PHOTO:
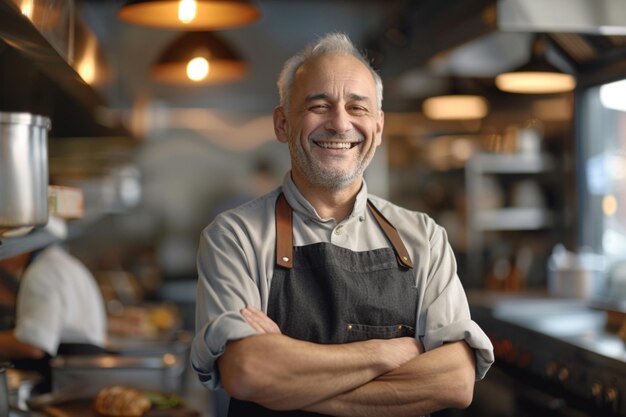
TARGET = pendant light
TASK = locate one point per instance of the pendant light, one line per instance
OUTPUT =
(538, 76)
(456, 106)
(199, 58)
(189, 14)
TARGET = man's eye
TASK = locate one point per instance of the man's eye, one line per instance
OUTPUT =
(358, 109)
(318, 108)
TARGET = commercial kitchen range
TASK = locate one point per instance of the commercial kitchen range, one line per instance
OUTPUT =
(554, 357)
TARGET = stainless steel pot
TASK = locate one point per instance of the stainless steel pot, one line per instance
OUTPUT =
(23, 170)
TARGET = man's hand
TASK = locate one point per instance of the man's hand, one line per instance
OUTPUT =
(259, 321)
(403, 349)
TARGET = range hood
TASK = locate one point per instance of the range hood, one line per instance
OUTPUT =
(587, 36)
(601, 17)
(39, 78)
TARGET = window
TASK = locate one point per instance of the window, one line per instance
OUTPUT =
(602, 179)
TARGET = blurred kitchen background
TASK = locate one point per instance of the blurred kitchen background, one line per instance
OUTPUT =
(528, 184)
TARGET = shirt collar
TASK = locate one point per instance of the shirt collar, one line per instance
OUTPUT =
(300, 204)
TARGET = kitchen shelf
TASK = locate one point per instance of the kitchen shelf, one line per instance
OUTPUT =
(36, 78)
(488, 163)
(54, 231)
(513, 218)
(44, 82)
(498, 216)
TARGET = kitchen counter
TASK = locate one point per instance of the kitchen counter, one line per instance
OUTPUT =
(84, 409)
(559, 343)
(571, 321)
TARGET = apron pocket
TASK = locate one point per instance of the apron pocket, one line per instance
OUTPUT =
(360, 332)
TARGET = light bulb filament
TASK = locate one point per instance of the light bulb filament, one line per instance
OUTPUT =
(187, 10)
(198, 68)
(27, 8)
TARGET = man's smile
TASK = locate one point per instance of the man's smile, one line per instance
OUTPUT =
(336, 145)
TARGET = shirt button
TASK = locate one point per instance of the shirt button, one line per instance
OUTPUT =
(338, 230)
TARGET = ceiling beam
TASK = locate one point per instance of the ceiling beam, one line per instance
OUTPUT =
(427, 28)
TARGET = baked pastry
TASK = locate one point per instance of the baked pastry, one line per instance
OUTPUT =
(117, 401)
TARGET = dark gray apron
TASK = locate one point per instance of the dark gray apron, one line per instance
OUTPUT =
(326, 294)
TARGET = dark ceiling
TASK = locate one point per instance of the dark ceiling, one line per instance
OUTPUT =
(420, 48)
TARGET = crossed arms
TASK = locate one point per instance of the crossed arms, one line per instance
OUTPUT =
(370, 378)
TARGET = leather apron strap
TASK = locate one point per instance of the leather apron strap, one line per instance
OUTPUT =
(393, 236)
(284, 234)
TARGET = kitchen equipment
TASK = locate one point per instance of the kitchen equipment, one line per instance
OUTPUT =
(20, 385)
(23, 171)
(86, 375)
(555, 350)
(4, 391)
(575, 275)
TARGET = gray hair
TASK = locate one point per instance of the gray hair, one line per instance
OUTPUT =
(332, 43)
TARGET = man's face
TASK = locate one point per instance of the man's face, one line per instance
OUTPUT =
(333, 125)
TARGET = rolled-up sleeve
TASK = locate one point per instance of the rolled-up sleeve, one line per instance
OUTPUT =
(447, 317)
(210, 342)
(225, 286)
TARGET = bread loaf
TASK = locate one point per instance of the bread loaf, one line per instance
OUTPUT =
(117, 401)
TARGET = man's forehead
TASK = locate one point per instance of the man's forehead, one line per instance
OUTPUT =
(324, 74)
(335, 63)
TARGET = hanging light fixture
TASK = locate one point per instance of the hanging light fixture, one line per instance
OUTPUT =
(189, 14)
(538, 76)
(198, 58)
(457, 105)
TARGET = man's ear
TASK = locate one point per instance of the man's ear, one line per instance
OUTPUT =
(280, 124)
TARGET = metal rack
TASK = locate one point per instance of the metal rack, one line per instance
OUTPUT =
(54, 231)
(501, 219)
(75, 107)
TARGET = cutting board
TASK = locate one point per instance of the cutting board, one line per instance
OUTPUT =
(82, 408)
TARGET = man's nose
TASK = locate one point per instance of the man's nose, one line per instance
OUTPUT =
(339, 121)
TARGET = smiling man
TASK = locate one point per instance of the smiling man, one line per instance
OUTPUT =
(319, 298)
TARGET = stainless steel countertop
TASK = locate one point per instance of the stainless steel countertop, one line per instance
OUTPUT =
(570, 321)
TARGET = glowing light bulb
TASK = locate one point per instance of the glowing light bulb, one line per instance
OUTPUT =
(197, 68)
(86, 65)
(27, 8)
(187, 10)
(609, 205)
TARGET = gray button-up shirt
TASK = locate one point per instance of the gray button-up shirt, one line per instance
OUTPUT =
(236, 261)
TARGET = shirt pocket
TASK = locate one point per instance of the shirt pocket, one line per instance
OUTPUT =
(359, 332)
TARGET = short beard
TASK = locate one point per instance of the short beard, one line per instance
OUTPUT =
(320, 175)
